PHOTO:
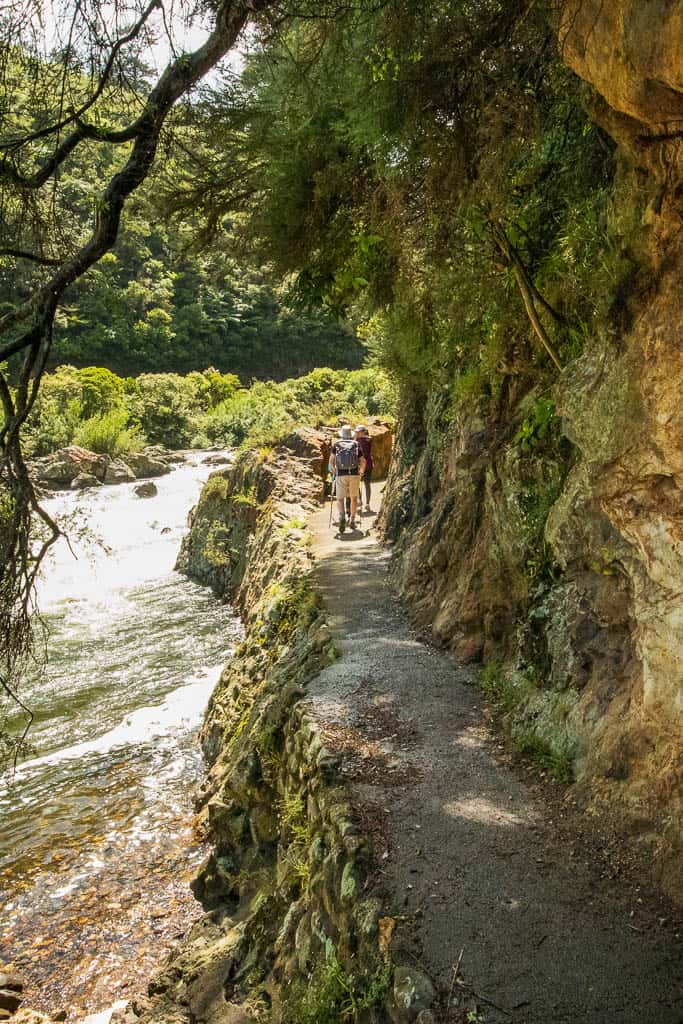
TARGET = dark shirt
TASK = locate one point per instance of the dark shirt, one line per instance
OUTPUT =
(365, 445)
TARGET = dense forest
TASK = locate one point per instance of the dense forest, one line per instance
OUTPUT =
(156, 303)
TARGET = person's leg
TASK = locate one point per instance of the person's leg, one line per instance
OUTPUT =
(341, 500)
(366, 480)
(354, 487)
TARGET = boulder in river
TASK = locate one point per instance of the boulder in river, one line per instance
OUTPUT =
(146, 464)
(157, 451)
(146, 490)
(117, 472)
(218, 460)
(64, 465)
(83, 481)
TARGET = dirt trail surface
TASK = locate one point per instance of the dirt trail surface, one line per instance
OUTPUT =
(471, 866)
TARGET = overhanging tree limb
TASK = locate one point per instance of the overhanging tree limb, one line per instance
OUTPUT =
(179, 76)
(527, 290)
(77, 115)
(27, 329)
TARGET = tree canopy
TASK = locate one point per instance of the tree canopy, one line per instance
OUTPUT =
(427, 171)
(48, 114)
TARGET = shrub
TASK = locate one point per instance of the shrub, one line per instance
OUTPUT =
(111, 414)
(52, 426)
(164, 406)
(109, 434)
(266, 412)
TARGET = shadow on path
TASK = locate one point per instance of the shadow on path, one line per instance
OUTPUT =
(469, 860)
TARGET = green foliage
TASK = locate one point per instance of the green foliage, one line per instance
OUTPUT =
(537, 425)
(330, 996)
(85, 406)
(245, 498)
(164, 404)
(153, 304)
(389, 152)
(52, 425)
(294, 820)
(512, 693)
(109, 433)
(558, 763)
(267, 412)
(95, 408)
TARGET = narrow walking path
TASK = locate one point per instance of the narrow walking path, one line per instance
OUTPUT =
(471, 866)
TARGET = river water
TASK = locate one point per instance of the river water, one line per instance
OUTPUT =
(96, 843)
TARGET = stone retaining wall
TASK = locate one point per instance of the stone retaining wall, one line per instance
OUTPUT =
(292, 932)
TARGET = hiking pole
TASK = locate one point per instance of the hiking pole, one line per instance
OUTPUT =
(332, 495)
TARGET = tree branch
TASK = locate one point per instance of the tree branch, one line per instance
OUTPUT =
(526, 289)
(76, 115)
(179, 76)
(21, 254)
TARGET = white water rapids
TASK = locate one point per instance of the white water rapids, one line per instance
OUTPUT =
(99, 813)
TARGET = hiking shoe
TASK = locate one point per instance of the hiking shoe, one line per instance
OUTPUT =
(352, 524)
(342, 525)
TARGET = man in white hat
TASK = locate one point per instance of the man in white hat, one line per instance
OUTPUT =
(348, 466)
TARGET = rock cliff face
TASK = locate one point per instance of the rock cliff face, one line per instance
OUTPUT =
(552, 548)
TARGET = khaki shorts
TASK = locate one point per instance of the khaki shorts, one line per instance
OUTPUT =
(348, 486)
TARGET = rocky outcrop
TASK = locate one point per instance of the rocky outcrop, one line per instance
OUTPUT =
(149, 463)
(78, 468)
(65, 465)
(117, 472)
(557, 559)
(84, 481)
(632, 53)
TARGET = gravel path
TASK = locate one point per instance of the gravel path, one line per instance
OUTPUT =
(472, 868)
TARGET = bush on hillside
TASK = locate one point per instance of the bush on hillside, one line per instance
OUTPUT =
(98, 410)
(109, 434)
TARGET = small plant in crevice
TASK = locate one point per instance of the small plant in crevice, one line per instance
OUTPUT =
(296, 830)
(558, 763)
(246, 497)
(537, 426)
(331, 996)
(512, 694)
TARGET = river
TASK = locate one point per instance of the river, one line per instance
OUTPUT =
(96, 843)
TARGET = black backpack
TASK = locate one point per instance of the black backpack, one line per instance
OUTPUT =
(346, 455)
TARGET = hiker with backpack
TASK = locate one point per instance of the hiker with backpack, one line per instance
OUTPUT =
(348, 464)
(364, 442)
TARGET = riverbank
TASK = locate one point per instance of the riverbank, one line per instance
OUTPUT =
(97, 845)
(375, 858)
(289, 930)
